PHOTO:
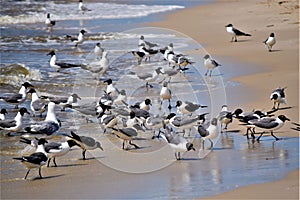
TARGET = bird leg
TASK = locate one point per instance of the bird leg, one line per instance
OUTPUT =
(40, 173)
(170, 107)
(260, 136)
(135, 146)
(27, 174)
(123, 144)
(274, 136)
(83, 154)
(206, 72)
(247, 133)
(55, 165)
(252, 133)
(211, 144)
(48, 162)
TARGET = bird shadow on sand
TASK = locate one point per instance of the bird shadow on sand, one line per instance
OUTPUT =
(188, 159)
(243, 40)
(68, 165)
(276, 50)
(91, 158)
(47, 177)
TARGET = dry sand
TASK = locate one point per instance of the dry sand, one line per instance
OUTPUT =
(206, 24)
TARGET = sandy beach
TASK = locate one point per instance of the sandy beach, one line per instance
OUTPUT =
(206, 24)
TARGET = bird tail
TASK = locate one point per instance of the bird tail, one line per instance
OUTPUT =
(25, 140)
(246, 34)
(19, 158)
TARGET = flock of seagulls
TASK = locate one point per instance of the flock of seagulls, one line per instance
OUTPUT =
(113, 107)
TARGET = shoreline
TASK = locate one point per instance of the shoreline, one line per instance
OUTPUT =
(261, 18)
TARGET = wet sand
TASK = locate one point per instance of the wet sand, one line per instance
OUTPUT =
(281, 67)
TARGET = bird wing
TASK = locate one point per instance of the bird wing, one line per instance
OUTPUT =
(52, 146)
(7, 123)
(13, 99)
(38, 105)
(238, 32)
(67, 65)
(36, 158)
(266, 123)
(202, 131)
(87, 140)
(47, 128)
(215, 63)
(191, 107)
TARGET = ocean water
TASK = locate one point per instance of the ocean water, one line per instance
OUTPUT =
(25, 41)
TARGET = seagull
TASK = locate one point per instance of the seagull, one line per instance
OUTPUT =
(37, 159)
(49, 126)
(108, 121)
(64, 102)
(139, 56)
(100, 67)
(127, 134)
(60, 65)
(79, 39)
(49, 23)
(110, 89)
(270, 41)
(53, 149)
(181, 122)
(145, 105)
(85, 143)
(225, 117)
(121, 99)
(278, 96)
(148, 52)
(36, 105)
(98, 50)
(82, 8)
(165, 94)
(3, 112)
(235, 32)
(269, 124)
(147, 45)
(14, 125)
(246, 117)
(210, 64)
(187, 107)
(150, 77)
(183, 61)
(176, 142)
(19, 98)
(209, 132)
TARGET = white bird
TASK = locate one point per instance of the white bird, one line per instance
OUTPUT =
(150, 77)
(99, 67)
(270, 41)
(127, 134)
(165, 94)
(98, 50)
(187, 107)
(225, 117)
(82, 8)
(79, 39)
(36, 105)
(19, 98)
(49, 23)
(269, 124)
(278, 96)
(85, 143)
(110, 89)
(210, 64)
(49, 126)
(53, 149)
(121, 99)
(147, 45)
(60, 65)
(3, 112)
(14, 125)
(209, 132)
(177, 142)
(108, 121)
(35, 160)
(235, 32)
(64, 102)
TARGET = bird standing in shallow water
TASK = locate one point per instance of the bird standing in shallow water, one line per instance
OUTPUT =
(210, 64)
